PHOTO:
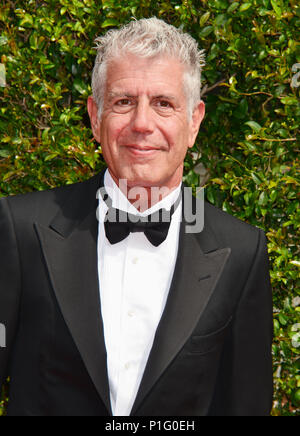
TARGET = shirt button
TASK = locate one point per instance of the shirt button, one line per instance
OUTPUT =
(131, 313)
(127, 365)
(135, 260)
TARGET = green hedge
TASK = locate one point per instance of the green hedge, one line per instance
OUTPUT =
(247, 151)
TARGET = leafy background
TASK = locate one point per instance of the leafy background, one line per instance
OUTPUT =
(246, 153)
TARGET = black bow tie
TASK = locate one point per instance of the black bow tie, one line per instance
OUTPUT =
(119, 224)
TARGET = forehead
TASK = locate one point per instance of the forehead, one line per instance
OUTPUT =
(136, 75)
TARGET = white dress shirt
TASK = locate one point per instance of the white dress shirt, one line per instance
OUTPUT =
(134, 282)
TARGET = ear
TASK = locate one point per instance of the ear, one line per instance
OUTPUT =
(93, 114)
(197, 118)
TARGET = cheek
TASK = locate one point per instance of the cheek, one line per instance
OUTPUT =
(111, 130)
(177, 137)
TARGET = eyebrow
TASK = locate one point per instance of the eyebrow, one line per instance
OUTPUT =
(166, 97)
(112, 95)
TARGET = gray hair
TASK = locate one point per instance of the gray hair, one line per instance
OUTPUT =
(149, 37)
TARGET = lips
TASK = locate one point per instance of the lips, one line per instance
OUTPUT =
(139, 150)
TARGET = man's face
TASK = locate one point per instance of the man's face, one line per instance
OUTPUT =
(144, 130)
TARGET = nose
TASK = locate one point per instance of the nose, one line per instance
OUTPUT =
(142, 118)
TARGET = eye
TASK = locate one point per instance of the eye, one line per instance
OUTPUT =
(164, 104)
(123, 105)
(123, 102)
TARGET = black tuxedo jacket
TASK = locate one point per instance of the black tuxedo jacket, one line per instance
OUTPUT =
(212, 349)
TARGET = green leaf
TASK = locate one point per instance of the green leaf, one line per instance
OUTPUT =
(204, 18)
(26, 21)
(211, 196)
(256, 178)
(254, 126)
(283, 319)
(220, 4)
(4, 153)
(273, 196)
(249, 145)
(51, 157)
(8, 175)
(263, 199)
(80, 86)
(206, 31)
(233, 7)
(110, 22)
(289, 101)
(245, 6)
(276, 8)
(221, 20)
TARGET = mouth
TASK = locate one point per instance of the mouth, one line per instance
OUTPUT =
(138, 150)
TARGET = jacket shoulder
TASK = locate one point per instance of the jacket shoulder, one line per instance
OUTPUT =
(43, 204)
(230, 230)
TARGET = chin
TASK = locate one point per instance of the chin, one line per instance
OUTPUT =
(142, 181)
(142, 178)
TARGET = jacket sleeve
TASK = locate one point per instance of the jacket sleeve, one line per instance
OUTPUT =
(245, 384)
(10, 285)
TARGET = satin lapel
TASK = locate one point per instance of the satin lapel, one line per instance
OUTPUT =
(195, 278)
(71, 257)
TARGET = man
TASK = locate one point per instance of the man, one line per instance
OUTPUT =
(105, 317)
